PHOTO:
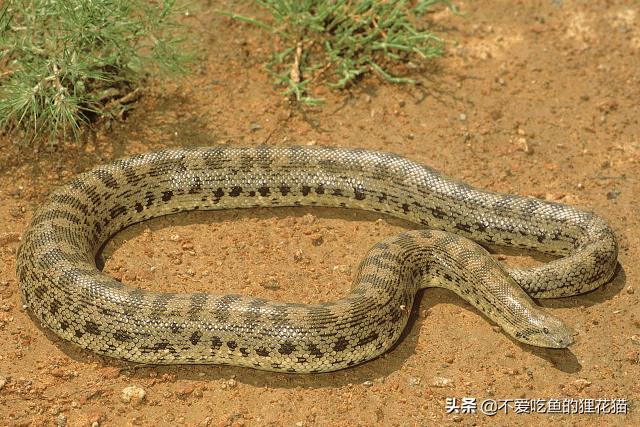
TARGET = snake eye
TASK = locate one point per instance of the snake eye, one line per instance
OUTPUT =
(545, 330)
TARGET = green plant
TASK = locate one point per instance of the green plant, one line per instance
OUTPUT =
(63, 62)
(346, 36)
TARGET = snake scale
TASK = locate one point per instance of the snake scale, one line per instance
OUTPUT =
(62, 287)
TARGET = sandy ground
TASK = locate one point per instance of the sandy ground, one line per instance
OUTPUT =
(540, 98)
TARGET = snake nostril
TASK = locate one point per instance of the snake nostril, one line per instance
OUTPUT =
(545, 330)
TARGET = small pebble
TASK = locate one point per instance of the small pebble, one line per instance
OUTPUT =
(414, 381)
(581, 383)
(134, 395)
(523, 145)
(440, 382)
(344, 269)
(367, 383)
(272, 283)
(228, 384)
(316, 239)
(613, 194)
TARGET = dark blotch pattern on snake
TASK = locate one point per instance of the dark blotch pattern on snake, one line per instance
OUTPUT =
(63, 288)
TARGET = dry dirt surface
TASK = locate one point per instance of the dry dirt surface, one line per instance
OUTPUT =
(539, 98)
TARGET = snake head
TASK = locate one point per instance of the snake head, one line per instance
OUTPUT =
(545, 330)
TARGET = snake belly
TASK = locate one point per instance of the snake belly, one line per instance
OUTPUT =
(62, 287)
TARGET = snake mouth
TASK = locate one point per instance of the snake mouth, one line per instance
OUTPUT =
(559, 339)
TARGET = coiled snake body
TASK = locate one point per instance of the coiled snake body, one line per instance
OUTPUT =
(61, 285)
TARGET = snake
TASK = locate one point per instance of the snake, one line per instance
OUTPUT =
(65, 291)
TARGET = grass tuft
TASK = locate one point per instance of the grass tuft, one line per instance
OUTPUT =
(345, 36)
(63, 63)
